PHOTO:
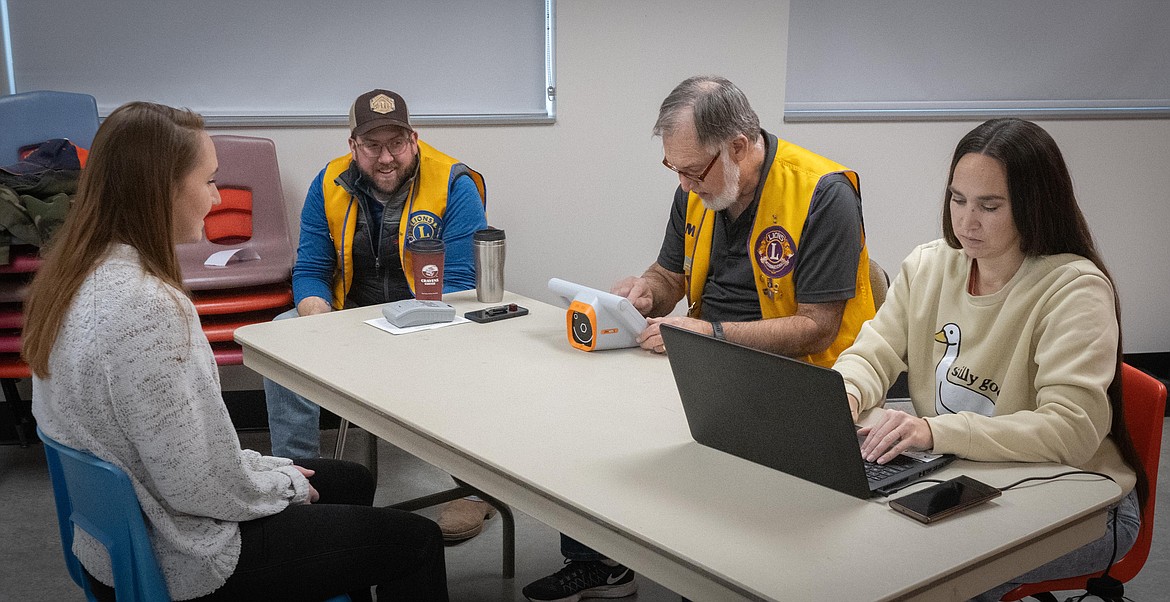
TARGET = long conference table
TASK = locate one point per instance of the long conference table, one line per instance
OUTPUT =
(596, 445)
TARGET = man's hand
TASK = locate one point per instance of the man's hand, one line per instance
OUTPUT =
(313, 305)
(651, 338)
(655, 293)
(638, 291)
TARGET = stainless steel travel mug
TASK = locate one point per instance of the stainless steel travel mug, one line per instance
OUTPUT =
(489, 265)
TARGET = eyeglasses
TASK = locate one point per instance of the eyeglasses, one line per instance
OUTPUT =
(373, 150)
(698, 178)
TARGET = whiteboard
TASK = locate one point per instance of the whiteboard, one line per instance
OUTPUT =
(946, 59)
(293, 62)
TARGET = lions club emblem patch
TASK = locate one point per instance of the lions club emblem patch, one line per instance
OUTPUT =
(775, 252)
(423, 224)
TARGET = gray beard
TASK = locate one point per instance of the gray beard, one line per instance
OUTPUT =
(730, 193)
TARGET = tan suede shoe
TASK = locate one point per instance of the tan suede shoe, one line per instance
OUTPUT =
(463, 519)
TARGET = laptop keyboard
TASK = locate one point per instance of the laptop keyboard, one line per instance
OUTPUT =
(876, 472)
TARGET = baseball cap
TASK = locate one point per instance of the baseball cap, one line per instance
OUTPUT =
(378, 108)
(55, 154)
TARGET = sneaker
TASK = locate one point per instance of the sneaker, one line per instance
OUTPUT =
(583, 579)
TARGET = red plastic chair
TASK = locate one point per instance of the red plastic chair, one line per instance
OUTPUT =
(11, 316)
(12, 369)
(228, 354)
(1145, 408)
(222, 312)
(22, 259)
(230, 222)
(214, 303)
(10, 341)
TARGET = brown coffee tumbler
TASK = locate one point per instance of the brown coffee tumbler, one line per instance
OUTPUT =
(426, 262)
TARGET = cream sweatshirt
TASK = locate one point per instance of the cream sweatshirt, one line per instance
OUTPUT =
(1019, 375)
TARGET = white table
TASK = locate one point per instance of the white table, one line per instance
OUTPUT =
(596, 445)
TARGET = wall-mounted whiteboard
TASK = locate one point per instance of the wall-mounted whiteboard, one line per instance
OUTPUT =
(293, 62)
(946, 59)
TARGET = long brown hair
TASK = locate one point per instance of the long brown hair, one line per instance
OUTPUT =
(125, 195)
(1049, 219)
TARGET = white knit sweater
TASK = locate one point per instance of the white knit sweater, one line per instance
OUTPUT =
(133, 380)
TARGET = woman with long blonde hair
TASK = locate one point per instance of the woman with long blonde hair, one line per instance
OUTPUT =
(121, 369)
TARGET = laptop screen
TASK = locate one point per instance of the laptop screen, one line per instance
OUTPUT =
(773, 410)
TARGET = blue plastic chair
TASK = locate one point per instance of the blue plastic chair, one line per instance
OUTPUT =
(98, 498)
(34, 117)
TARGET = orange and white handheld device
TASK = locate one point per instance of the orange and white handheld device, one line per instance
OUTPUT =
(598, 320)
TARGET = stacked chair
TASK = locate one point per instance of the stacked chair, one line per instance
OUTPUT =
(31, 118)
(251, 217)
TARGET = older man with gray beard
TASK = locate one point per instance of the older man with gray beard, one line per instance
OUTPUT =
(765, 241)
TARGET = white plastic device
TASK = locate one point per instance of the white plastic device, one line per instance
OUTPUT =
(415, 312)
(597, 319)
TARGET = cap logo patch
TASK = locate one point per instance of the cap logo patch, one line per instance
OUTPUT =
(381, 104)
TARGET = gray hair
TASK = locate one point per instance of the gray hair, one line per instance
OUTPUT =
(719, 109)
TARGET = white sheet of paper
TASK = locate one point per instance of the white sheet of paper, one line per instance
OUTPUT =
(220, 259)
(382, 324)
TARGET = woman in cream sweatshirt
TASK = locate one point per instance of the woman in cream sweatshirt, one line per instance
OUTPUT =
(1008, 329)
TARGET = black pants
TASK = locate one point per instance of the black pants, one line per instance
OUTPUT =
(338, 545)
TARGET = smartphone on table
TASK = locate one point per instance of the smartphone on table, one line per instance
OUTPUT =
(944, 499)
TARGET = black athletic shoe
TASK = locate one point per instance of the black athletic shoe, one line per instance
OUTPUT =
(583, 579)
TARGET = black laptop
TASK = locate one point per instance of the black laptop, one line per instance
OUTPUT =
(780, 412)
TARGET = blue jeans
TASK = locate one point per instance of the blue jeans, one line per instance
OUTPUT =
(293, 421)
(1089, 558)
(575, 550)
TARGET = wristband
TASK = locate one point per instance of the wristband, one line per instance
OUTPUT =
(717, 328)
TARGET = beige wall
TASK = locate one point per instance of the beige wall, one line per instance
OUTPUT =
(586, 199)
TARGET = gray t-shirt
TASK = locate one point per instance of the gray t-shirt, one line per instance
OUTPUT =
(826, 261)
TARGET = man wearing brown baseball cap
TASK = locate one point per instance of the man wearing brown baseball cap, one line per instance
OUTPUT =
(378, 108)
(360, 214)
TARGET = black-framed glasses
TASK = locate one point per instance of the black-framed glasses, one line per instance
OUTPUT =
(373, 150)
(694, 178)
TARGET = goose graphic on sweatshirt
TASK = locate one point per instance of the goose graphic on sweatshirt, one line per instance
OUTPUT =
(952, 392)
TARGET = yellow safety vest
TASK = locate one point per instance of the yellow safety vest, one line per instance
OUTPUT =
(422, 217)
(775, 239)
